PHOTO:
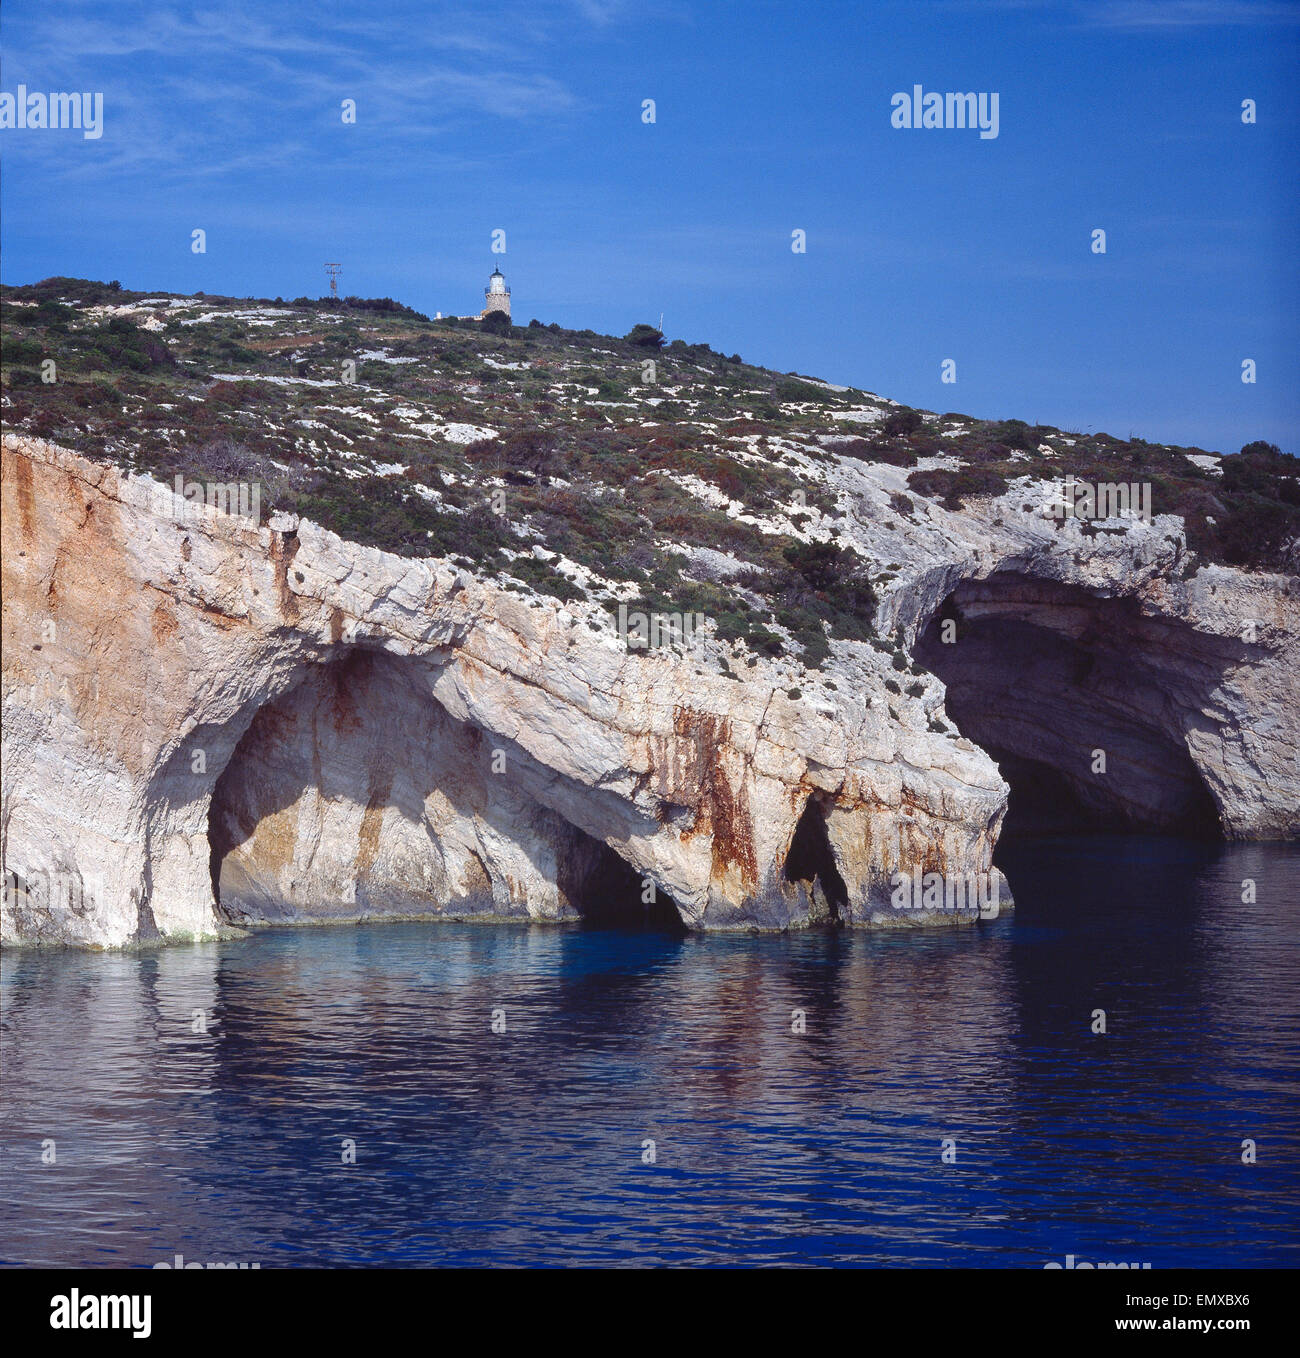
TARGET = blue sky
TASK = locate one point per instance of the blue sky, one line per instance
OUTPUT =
(922, 245)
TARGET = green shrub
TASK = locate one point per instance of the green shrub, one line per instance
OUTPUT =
(16, 349)
(821, 564)
(788, 389)
(901, 422)
(955, 487)
(645, 337)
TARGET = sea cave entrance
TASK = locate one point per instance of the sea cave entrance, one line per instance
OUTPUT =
(356, 794)
(1083, 702)
(609, 893)
(811, 863)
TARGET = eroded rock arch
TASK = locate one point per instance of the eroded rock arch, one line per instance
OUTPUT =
(1098, 714)
(355, 794)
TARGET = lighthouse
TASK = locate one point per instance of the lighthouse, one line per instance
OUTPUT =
(497, 294)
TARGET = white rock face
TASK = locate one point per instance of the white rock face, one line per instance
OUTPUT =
(356, 733)
(140, 650)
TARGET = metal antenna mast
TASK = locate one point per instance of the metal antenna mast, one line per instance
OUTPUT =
(333, 271)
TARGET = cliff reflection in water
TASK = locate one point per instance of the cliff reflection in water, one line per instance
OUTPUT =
(770, 1146)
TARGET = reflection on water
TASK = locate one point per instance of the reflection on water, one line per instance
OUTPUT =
(770, 1146)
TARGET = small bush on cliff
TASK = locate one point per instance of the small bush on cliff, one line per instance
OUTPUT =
(1263, 469)
(16, 349)
(897, 452)
(821, 564)
(1258, 533)
(533, 449)
(825, 585)
(790, 389)
(954, 488)
(901, 422)
(1013, 434)
(645, 337)
(122, 344)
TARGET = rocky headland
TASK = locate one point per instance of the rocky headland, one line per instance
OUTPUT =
(426, 706)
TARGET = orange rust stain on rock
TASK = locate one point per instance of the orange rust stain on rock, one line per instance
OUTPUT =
(909, 801)
(165, 625)
(52, 589)
(470, 668)
(284, 547)
(933, 859)
(372, 819)
(721, 811)
(475, 879)
(18, 470)
(218, 617)
(73, 564)
(274, 839)
(348, 678)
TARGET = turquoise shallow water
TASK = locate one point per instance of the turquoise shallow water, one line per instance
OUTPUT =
(527, 1146)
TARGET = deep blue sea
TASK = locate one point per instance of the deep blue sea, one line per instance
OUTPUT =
(528, 1145)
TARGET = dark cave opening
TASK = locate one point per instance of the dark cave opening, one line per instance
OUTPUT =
(1075, 698)
(224, 830)
(811, 861)
(609, 893)
(1043, 802)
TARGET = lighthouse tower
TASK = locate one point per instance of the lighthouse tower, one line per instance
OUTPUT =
(497, 294)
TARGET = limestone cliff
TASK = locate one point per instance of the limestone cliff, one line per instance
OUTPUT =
(438, 743)
(208, 721)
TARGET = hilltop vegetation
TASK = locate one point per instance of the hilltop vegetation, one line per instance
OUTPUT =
(569, 462)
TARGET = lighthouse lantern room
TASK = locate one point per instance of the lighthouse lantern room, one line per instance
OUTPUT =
(497, 294)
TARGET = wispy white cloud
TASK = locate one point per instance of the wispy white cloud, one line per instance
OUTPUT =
(600, 11)
(193, 93)
(1134, 15)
